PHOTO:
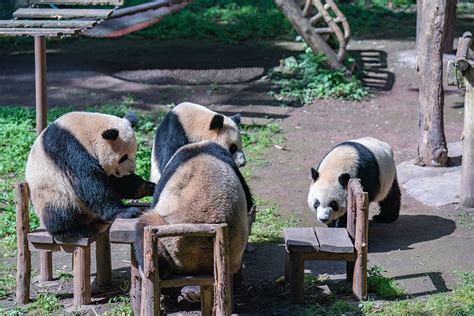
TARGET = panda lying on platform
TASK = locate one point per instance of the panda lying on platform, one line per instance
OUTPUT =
(370, 160)
(189, 123)
(78, 170)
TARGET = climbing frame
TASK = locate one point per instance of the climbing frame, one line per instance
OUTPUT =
(318, 22)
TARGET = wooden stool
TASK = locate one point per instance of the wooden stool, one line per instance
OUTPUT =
(333, 244)
(220, 280)
(41, 240)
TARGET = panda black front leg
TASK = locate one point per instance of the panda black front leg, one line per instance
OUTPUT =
(390, 206)
(130, 212)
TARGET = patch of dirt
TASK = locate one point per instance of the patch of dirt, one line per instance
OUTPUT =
(421, 249)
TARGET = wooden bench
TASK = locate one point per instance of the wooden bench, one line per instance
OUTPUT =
(41, 240)
(333, 244)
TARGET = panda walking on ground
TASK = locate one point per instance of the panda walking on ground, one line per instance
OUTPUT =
(370, 160)
(78, 170)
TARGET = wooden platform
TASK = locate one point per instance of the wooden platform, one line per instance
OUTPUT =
(123, 231)
(321, 239)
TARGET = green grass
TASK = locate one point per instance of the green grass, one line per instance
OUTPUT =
(43, 304)
(385, 287)
(305, 78)
(7, 279)
(121, 306)
(268, 226)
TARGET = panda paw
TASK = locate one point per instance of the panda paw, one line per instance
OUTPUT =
(130, 212)
(191, 293)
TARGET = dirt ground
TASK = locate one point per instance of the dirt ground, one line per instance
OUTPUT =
(421, 250)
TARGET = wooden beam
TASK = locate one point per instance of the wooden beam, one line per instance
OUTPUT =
(180, 281)
(103, 260)
(82, 275)
(359, 283)
(34, 13)
(79, 2)
(136, 283)
(223, 292)
(38, 32)
(188, 230)
(55, 24)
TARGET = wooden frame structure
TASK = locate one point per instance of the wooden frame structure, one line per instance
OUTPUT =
(461, 74)
(221, 280)
(333, 244)
(41, 240)
(306, 15)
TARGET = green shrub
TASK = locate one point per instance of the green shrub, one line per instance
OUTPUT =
(305, 78)
(385, 287)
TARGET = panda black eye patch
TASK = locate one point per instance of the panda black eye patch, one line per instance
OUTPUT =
(123, 159)
(233, 148)
(333, 205)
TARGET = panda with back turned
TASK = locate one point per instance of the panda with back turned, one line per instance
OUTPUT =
(189, 123)
(370, 160)
(78, 170)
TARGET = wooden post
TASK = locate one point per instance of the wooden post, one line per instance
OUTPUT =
(222, 292)
(135, 286)
(432, 148)
(359, 284)
(40, 84)
(296, 270)
(82, 275)
(23, 273)
(46, 266)
(103, 260)
(450, 26)
(419, 17)
(206, 300)
(467, 176)
(150, 304)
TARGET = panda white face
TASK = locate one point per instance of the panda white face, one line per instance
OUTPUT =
(117, 149)
(327, 199)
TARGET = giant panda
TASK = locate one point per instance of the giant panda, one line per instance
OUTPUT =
(370, 160)
(189, 123)
(78, 170)
(200, 184)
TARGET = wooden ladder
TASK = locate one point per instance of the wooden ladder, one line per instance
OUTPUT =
(307, 17)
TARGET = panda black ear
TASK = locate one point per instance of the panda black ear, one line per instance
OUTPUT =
(217, 122)
(314, 174)
(132, 118)
(344, 179)
(110, 134)
(236, 118)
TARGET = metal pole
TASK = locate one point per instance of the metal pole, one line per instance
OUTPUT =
(40, 84)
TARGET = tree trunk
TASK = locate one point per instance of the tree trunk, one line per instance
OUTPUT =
(432, 149)
(450, 26)
(419, 15)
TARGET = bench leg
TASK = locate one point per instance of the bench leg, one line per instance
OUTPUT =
(136, 284)
(349, 270)
(46, 265)
(206, 300)
(23, 272)
(296, 272)
(103, 260)
(82, 275)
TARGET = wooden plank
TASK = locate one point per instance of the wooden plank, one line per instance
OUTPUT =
(123, 231)
(328, 256)
(51, 247)
(185, 280)
(335, 240)
(38, 31)
(300, 239)
(40, 235)
(30, 13)
(189, 230)
(47, 24)
(82, 275)
(23, 272)
(78, 2)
